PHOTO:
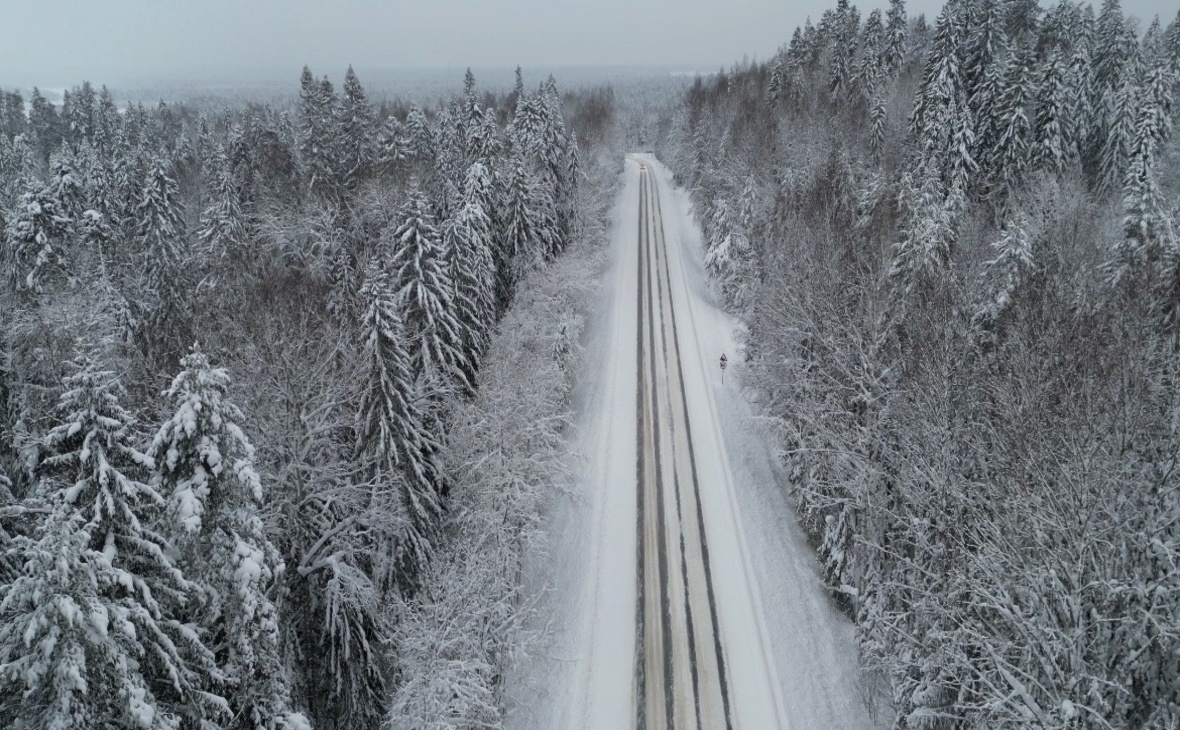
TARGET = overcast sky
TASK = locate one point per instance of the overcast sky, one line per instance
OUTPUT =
(57, 42)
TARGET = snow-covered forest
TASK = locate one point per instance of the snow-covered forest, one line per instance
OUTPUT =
(955, 244)
(282, 389)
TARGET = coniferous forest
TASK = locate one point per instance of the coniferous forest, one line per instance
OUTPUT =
(253, 470)
(954, 243)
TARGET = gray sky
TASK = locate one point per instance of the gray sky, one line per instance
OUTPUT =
(59, 42)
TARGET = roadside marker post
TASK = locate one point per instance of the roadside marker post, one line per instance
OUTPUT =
(724, 362)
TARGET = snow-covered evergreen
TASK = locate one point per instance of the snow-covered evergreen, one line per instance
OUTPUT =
(391, 427)
(469, 243)
(205, 465)
(95, 631)
(943, 318)
(275, 231)
(425, 293)
(223, 224)
(356, 130)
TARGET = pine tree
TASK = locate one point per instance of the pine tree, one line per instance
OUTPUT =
(205, 464)
(425, 294)
(91, 634)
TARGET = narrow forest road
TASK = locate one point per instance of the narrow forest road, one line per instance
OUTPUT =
(684, 594)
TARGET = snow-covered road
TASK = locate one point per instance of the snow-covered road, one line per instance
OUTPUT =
(685, 595)
(681, 673)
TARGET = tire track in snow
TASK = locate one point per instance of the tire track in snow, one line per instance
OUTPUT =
(696, 488)
(640, 581)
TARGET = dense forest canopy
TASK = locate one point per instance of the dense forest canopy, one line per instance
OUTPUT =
(236, 345)
(955, 246)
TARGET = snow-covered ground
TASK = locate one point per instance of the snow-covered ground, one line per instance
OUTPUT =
(789, 655)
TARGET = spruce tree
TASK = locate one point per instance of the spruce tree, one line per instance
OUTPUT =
(774, 88)
(222, 224)
(36, 234)
(1119, 114)
(1172, 44)
(878, 119)
(895, 35)
(469, 242)
(483, 137)
(391, 143)
(162, 309)
(420, 137)
(106, 122)
(520, 240)
(425, 293)
(317, 124)
(92, 633)
(1053, 149)
(391, 427)
(160, 223)
(1009, 156)
(356, 131)
(942, 90)
(1110, 56)
(870, 67)
(205, 464)
(44, 124)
